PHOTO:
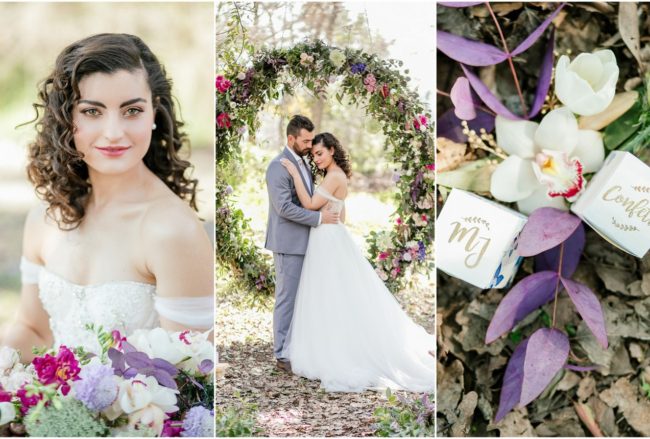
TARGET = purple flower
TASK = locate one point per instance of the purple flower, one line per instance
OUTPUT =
(422, 253)
(229, 190)
(171, 429)
(358, 68)
(97, 388)
(198, 422)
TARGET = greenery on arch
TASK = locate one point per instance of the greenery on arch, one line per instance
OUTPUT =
(365, 80)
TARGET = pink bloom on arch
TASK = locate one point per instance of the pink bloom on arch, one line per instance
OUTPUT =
(370, 82)
(222, 84)
(223, 120)
(399, 221)
(420, 122)
(383, 256)
(384, 91)
(431, 167)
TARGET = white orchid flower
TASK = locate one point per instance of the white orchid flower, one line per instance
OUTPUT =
(546, 161)
(141, 391)
(587, 84)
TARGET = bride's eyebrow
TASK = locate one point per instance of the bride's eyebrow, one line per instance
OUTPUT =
(123, 104)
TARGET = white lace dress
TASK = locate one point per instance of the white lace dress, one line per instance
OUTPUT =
(121, 305)
(348, 330)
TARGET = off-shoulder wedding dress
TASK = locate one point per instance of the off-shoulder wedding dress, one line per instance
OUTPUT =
(348, 330)
(120, 305)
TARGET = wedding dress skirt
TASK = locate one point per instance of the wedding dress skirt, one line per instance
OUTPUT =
(348, 330)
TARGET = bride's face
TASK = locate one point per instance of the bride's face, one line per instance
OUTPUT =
(322, 156)
(113, 120)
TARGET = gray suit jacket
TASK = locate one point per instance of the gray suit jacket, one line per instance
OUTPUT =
(289, 223)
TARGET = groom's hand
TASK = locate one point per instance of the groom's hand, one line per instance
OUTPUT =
(329, 217)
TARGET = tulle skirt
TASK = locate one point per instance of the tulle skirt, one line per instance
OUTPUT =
(348, 330)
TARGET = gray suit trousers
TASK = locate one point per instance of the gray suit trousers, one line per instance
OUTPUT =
(287, 277)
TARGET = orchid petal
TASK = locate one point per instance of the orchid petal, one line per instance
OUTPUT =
(558, 131)
(540, 198)
(516, 136)
(513, 179)
(590, 150)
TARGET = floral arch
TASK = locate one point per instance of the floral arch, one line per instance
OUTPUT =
(366, 80)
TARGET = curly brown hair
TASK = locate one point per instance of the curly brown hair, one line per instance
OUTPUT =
(56, 168)
(340, 156)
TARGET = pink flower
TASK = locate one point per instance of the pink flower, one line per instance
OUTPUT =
(370, 83)
(172, 428)
(431, 167)
(383, 256)
(424, 218)
(117, 339)
(420, 122)
(399, 221)
(223, 120)
(60, 369)
(222, 84)
(27, 402)
(384, 91)
(4, 396)
(183, 337)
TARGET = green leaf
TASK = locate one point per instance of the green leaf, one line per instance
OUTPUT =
(622, 128)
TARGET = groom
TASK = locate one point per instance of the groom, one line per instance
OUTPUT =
(287, 232)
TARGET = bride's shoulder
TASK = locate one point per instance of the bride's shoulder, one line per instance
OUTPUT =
(170, 220)
(37, 223)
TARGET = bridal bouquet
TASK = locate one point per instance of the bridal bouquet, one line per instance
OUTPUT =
(151, 383)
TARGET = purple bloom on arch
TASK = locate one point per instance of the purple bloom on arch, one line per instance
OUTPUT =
(422, 252)
(358, 68)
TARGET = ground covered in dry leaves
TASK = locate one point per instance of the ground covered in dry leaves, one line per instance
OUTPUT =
(288, 405)
(612, 400)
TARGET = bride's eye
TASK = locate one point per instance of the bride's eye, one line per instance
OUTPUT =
(90, 112)
(133, 111)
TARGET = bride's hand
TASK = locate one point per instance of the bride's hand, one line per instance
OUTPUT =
(293, 171)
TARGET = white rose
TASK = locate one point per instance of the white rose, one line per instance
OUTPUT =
(156, 343)
(7, 412)
(337, 58)
(241, 76)
(587, 84)
(8, 358)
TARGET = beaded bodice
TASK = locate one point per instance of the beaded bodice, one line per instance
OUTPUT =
(122, 305)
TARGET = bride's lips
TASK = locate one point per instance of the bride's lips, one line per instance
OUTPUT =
(113, 150)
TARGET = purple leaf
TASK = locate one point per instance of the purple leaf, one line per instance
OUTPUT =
(459, 4)
(580, 368)
(534, 36)
(117, 360)
(128, 347)
(588, 307)
(165, 365)
(545, 75)
(472, 53)
(130, 372)
(529, 294)
(546, 228)
(550, 259)
(449, 127)
(512, 381)
(546, 353)
(461, 97)
(139, 360)
(164, 379)
(486, 95)
(206, 366)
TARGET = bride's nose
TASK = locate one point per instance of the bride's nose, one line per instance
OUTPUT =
(113, 128)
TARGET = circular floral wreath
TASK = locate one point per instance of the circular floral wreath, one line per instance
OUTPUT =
(376, 84)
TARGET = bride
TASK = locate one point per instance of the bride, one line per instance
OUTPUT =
(116, 242)
(348, 330)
